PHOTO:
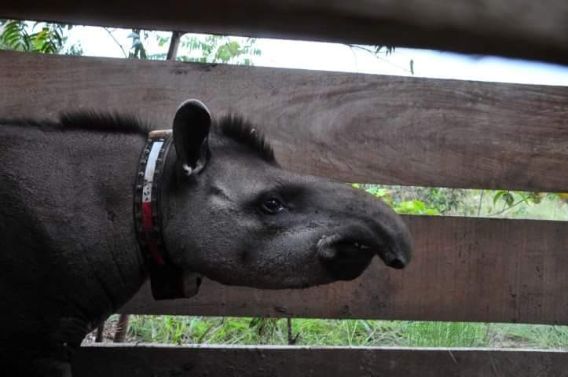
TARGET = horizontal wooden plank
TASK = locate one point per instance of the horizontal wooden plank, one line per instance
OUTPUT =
(355, 128)
(520, 28)
(463, 270)
(147, 360)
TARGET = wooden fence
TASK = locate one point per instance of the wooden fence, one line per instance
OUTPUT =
(522, 28)
(355, 128)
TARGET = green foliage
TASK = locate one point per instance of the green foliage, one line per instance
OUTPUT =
(402, 206)
(444, 200)
(217, 49)
(51, 38)
(14, 36)
(214, 330)
(444, 334)
(415, 207)
(512, 199)
(197, 330)
(462, 202)
(197, 48)
(530, 336)
(43, 37)
(506, 196)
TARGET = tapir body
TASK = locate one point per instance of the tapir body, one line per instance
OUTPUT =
(70, 254)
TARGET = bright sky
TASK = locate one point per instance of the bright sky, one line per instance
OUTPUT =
(339, 57)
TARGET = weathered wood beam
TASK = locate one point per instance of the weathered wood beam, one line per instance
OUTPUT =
(463, 269)
(519, 28)
(148, 360)
(350, 127)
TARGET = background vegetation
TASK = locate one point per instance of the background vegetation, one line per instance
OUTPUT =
(51, 38)
(250, 331)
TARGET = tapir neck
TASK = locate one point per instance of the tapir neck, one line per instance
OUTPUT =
(131, 265)
(110, 173)
(79, 194)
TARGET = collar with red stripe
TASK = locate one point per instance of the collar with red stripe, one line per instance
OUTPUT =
(167, 280)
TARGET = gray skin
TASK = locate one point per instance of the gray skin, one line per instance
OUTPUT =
(69, 255)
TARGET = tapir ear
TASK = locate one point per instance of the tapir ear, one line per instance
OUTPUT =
(191, 131)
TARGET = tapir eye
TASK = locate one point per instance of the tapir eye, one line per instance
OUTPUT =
(272, 206)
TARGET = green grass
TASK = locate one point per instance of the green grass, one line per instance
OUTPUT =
(440, 334)
(531, 336)
(249, 331)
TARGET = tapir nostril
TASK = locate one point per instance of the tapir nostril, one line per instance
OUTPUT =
(396, 263)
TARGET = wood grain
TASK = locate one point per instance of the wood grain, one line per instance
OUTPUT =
(350, 127)
(463, 270)
(520, 28)
(146, 360)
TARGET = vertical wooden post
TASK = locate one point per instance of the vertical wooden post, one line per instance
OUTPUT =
(174, 45)
(100, 331)
(121, 328)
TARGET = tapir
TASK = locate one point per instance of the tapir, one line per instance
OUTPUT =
(93, 205)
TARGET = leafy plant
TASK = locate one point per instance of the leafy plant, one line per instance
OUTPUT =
(408, 207)
(193, 47)
(512, 199)
(217, 49)
(464, 202)
(43, 37)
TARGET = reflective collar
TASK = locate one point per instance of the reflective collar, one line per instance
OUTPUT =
(167, 280)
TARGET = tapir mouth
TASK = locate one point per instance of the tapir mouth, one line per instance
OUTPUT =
(351, 251)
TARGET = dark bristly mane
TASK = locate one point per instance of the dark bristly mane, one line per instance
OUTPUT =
(104, 122)
(243, 132)
(90, 121)
(231, 126)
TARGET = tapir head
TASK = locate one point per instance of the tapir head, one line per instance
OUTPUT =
(234, 215)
